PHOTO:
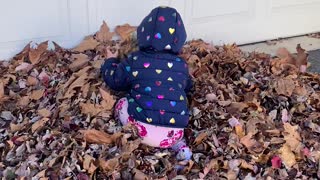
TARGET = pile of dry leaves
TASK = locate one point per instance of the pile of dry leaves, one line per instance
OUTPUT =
(252, 116)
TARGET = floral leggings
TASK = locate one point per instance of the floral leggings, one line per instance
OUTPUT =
(156, 136)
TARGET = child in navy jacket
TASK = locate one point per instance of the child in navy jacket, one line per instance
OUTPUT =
(156, 80)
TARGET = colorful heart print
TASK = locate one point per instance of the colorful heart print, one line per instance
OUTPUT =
(135, 73)
(157, 36)
(148, 37)
(146, 64)
(171, 30)
(160, 96)
(149, 103)
(170, 64)
(150, 19)
(158, 71)
(147, 89)
(158, 83)
(139, 109)
(170, 79)
(135, 58)
(172, 121)
(128, 68)
(183, 113)
(149, 120)
(138, 96)
(162, 112)
(173, 103)
(161, 19)
(111, 72)
(181, 98)
(136, 86)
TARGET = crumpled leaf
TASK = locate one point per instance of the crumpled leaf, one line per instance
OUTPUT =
(39, 124)
(24, 67)
(88, 164)
(125, 31)
(292, 137)
(37, 94)
(285, 86)
(35, 54)
(89, 43)
(104, 34)
(287, 156)
(99, 137)
(79, 61)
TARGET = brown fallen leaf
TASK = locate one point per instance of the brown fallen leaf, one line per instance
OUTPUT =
(39, 124)
(23, 101)
(109, 165)
(92, 109)
(99, 137)
(35, 54)
(17, 127)
(79, 61)
(125, 31)
(88, 164)
(32, 81)
(200, 138)
(131, 146)
(89, 43)
(302, 56)
(285, 86)
(104, 34)
(41, 174)
(286, 56)
(37, 94)
(75, 83)
(97, 64)
(287, 156)
(44, 112)
(109, 99)
(239, 131)
(1, 90)
(292, 137)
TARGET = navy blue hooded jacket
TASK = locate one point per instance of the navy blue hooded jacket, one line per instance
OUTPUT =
(156, 79)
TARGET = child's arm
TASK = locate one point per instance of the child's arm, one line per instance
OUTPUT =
(189, 85)
(115, 75)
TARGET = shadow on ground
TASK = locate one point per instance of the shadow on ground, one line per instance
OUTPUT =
(314, 59)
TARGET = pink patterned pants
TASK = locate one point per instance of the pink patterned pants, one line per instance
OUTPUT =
(156, 136)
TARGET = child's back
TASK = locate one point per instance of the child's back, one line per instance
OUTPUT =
(156, 80)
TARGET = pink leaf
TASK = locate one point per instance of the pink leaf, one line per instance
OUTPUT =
(276, 162)
(306, 152)
(24, 66)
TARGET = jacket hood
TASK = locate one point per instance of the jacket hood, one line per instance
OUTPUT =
(162, 30)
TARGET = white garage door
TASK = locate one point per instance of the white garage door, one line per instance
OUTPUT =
(68, 21)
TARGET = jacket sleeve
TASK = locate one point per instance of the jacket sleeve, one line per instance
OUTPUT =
(115, 75)
(189, 84)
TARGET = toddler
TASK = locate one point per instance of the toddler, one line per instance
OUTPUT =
(156, 80)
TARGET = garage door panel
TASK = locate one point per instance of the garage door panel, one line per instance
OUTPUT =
(213, 8)
(46, 16)
(288, 3)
